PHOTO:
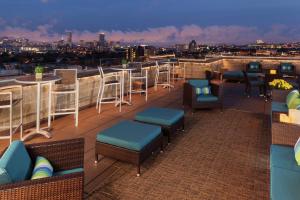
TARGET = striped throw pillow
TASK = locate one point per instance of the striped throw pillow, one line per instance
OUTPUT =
(203, 91)
(206, 90)
(42, 168)
(297, 151)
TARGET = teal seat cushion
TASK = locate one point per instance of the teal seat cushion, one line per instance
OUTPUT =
(198, 83)
(207, 98)
(279, 107)
(233, 74)
(284, 157)
(70, 171)
(161, 116)
(253, 75)
(129, 135)
(15, 164)
(284, 184)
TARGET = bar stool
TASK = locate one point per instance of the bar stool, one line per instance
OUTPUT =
(139, 80)
(109, 80)
(67, 86)
(162, 76)
(8, 101)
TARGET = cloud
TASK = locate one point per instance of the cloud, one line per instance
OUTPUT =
(167, 35)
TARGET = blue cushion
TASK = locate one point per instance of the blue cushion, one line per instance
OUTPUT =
(15, 163)
(279, 107)
(129, 134)
(70, 171)
(284, 157)
(284, 184)
(198, 83)
(233, 74)
(253, 75)
(161, 116)
(207, 98)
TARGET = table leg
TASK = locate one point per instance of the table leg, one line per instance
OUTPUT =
(37, 130)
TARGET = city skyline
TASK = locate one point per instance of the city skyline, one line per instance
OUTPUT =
(153, 22)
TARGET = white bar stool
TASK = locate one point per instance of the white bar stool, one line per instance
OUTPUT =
(163, 76)
(68, 85)
(109, 80)
(139, 79)
(8, 101)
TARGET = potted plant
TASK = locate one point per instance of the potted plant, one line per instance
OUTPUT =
(39, 70)
(280, 88)
(124, 63)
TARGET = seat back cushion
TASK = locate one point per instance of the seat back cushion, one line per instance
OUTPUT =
(286, 68)
(15, 164)
(42, 168)
(293, 99)
(199, 83)
(254, 67)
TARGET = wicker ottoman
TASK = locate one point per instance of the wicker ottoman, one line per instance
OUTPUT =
(170, 120)
(129, 141)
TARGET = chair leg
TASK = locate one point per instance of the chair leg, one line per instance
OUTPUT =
(76, 107)
(10, 124)
(98, 96)
(138, 170)
(120, 99)
(49, 106)
(100, 100)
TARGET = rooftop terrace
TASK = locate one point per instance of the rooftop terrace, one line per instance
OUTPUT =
(221, 155)
(216, 158)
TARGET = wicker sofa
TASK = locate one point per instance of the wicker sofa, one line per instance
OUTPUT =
(190, 98)
(67, 158)
(282, 133)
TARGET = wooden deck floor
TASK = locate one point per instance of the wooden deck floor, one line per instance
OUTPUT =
(90, 123)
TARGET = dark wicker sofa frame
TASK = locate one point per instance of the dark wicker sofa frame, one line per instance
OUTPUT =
(63, 155)
(127, 155)
(283, 133)
(190, 97)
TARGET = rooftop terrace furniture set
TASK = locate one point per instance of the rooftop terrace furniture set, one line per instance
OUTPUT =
(199, 101)
(65, 156)
(284, 170)
(134, 141)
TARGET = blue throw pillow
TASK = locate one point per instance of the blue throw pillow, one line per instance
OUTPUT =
(42, 168)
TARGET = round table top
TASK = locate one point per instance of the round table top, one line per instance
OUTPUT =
(32, 80)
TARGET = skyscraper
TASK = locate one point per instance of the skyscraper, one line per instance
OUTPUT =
(102, 39)
(69, 37)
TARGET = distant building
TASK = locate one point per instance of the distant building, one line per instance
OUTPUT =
(181, 47)
(259, 42)
(193, 45)
(102, 39)
(131, 54)
(69, 37)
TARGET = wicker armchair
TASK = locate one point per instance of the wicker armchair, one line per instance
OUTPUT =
(63, 155)
(190, 97)
(282, 133)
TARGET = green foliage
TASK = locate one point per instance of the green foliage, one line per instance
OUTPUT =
(124, 61)
(39, 69)
(280, 84)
